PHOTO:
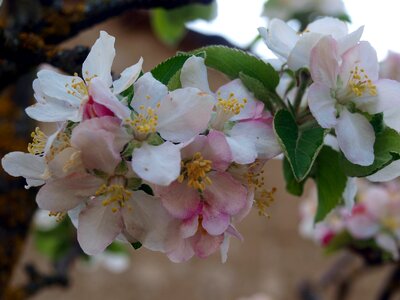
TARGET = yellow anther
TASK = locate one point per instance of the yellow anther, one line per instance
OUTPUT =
(144, 123)
(115, 194)
(391, 223)
(58, 215)
(231, 104)
(195, 171)
(39, 140)
(263, 198)
(360, 84)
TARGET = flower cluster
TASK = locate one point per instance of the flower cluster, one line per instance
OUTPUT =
(134, 161)
(374, 221)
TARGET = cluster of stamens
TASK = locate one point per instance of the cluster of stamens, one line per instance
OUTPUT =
(144, 123)
(231, 104)
(195, 171)
(39, 140)
(263, 198)
(76, 86)
(360, 83)
(58, 215)
(116, 195)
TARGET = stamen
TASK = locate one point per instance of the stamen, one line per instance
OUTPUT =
(144, 123)
(77, 86)
(39, 140)
(360, 83)
(58, 215)
(195, 171)
(231, 104)
(116, 195)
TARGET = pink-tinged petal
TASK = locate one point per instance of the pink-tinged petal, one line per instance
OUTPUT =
(205, 244)
(247, 208)
(183, 114)
(194, 74)
(196, 145)
(102, 94)
(322, 105)
(225, 194)
(214, 221)
(160, 165)
(180, 200)
(189, 227)
(356, 138)
(258, 135)
(235, 89)
(279, 37)
(217, 150)
(98, 227)
(66, 193)
(243, 149)
(350, 40)
(66, 162)
(364, 57)
(233, 232)
(389, 244)
(26, 165)
(301, 53)
(146, 220)
(99, 61)
(325, 62)
(181, 250)
(362, 226)
(224, 248)
(128, 77)
(329, 26)
(100, 141)
(388, 173)
(60, 87)
(148, 92)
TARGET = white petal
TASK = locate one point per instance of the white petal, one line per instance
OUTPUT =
(157, 164)
(70, 89)
(350, 40)
(99, 61)
(388, 243)
(147, 220)
(183, 114)
(148, 92)
(356, 138)
(98, 227)
(388, 173)
(322, 105)
(300, 55)
(279, 37)
(243, 150)
(194, 74)
(329, 26)
(350, 192)
(26, 165)
(128, 77)
(53, 111)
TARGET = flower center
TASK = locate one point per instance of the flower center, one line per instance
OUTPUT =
(195, 170)
(115, 193)
(231, 105)
(77, 86)
(360, 83)
(39, 140)
(263, 198)
(144, 122)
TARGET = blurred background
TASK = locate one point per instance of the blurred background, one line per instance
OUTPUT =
(273, 262)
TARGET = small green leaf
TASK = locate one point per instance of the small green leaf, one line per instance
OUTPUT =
(232, 62)
(301, 145)
(386, 150)
(175, 82)
(258, 89)
(134, 183)
(136, 245)
(292, 185)
(330, 180)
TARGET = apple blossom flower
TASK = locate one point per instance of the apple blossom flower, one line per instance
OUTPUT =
(343, 83)
(60, 97)
(390, 66)
(296, 48)
(241, 117)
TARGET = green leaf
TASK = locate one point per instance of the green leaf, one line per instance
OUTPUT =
(175, 82)
(232, 62)
(136, 245)
(258, 89)
(330, 180)
(292, 185)
(386, 150)
(166, 70)
(301, 145)
(169, 25)
(117, 248)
